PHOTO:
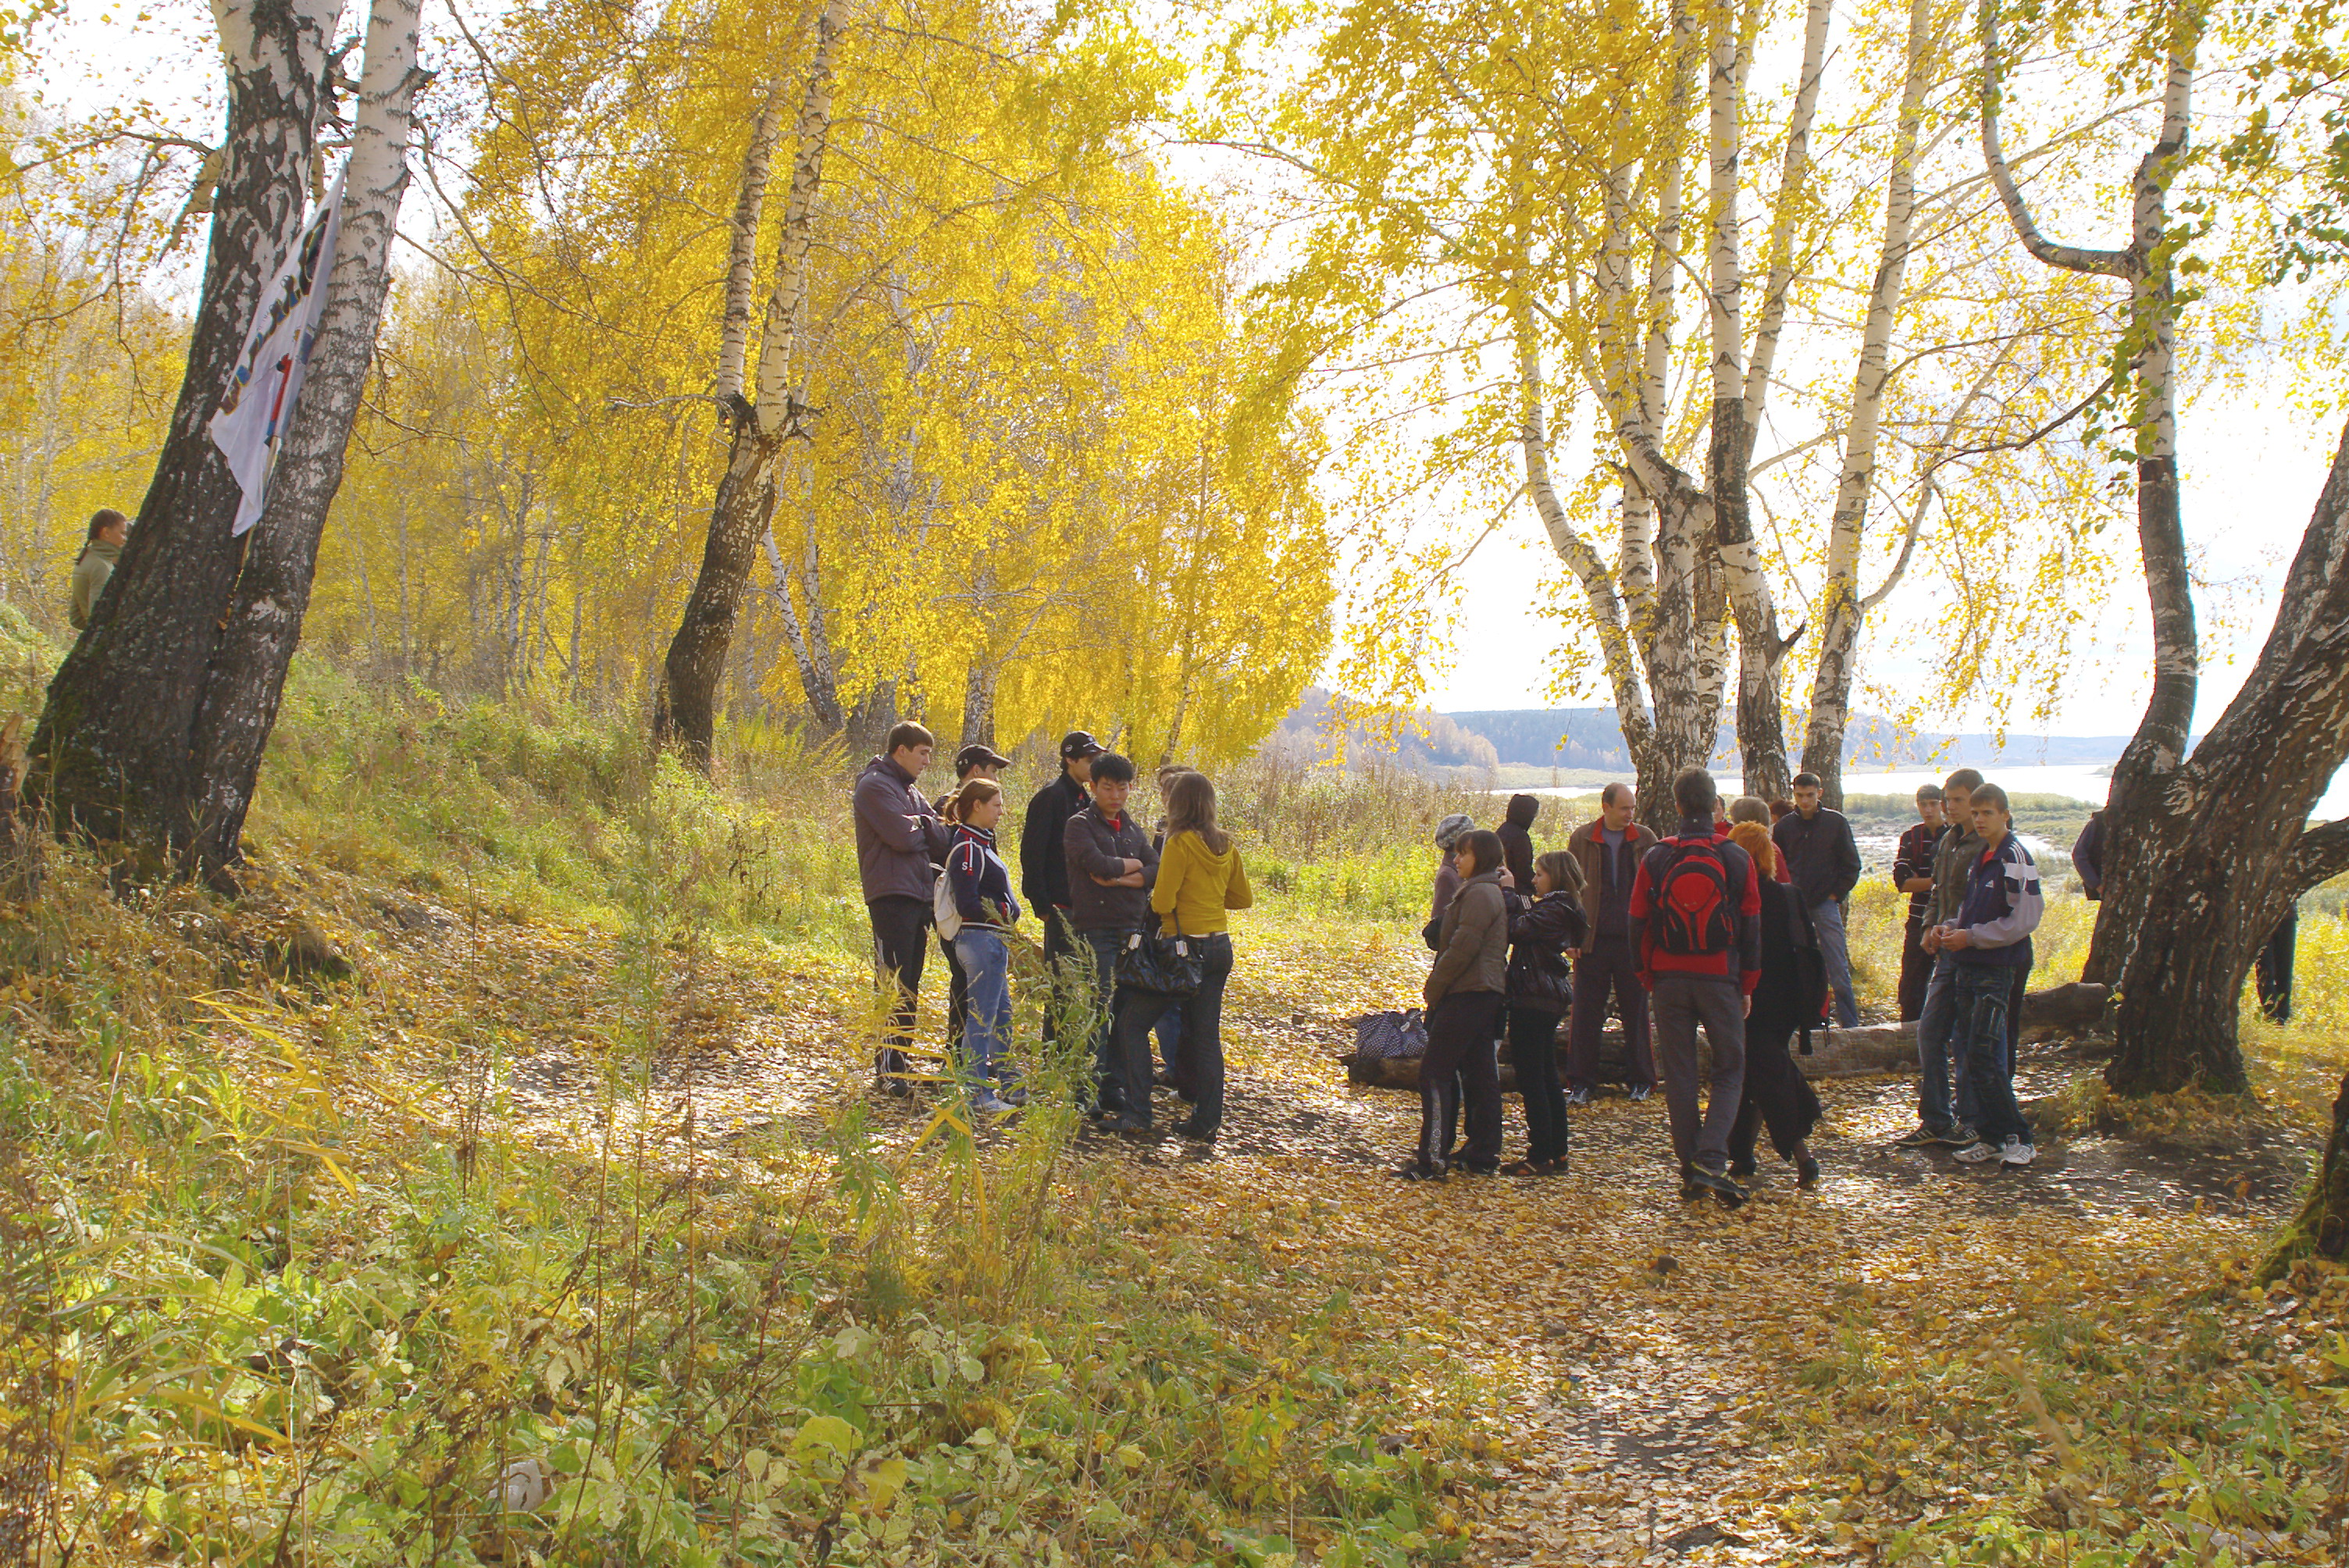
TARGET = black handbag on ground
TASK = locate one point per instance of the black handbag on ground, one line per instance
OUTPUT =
(1164, 966)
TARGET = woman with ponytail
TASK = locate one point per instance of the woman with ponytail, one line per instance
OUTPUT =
(981, 883)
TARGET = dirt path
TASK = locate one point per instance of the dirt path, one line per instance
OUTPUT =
(1635, 1354)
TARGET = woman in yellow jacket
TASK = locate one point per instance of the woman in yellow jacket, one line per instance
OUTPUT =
(1199, 879)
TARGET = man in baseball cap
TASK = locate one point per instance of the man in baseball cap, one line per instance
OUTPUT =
(1043, 860)
(978, 761)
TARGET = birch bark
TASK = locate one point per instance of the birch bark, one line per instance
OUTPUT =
(685, 705)
(1841, 610)
(263, 624)
(112, 749)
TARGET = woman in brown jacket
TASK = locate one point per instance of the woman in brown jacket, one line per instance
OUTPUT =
(1466, 994)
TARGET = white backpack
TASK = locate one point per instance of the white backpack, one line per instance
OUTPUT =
(943, 908)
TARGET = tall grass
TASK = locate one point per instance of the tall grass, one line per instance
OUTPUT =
(295, 1273)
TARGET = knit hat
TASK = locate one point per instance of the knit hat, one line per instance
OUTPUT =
(1449, 830)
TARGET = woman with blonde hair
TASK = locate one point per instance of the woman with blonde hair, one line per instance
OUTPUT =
(1792, 988)
(1200, 881)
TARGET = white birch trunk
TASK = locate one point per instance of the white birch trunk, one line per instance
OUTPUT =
(264, 620)
(1840, 609)
(742, 244)
(780, 340)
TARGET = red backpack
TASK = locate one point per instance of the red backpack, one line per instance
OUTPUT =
(1691, 911)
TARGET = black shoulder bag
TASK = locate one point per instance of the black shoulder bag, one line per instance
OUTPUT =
(1164, 966)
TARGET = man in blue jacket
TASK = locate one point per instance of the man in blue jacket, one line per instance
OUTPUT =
(1988, 943)
(899, 841)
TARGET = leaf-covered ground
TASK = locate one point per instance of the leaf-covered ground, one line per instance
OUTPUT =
(1917, 1362)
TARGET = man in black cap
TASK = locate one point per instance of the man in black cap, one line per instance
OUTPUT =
(1043, 861)
(975, 760)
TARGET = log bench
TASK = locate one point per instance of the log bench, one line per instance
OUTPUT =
(1834, 1053)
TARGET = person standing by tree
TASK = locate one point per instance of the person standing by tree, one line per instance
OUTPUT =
(1695, 912)
(1169, 1027)
(1466, 994)
(1109, 867)
(2271, 971)
(2088, 857)
(109, 530)
(1944, 1116)
(1825, 862)
(1786, 1001)
(1988, 941)
(1200, 880)
(1044, 864)
(1609, 852)
(899, 838)
(1541, 989)
(1912, 874)
(981, 883)
(1517, 841)
(974, 761)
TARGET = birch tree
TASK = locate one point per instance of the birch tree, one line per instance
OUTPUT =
(2204, 852)
(685, 704)
(155, 722)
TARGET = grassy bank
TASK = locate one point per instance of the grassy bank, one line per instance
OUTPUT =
(545, 1218)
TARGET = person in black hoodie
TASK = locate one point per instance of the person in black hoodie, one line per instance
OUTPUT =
(1517, 841)
(1785, 999)
(1541, 990)
(1044, 869)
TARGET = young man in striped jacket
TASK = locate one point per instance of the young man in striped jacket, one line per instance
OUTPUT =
(1988, 941)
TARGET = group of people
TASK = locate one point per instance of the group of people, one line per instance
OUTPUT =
(1733, 927)
(1107, 896)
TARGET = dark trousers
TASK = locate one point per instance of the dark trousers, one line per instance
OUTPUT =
(1916, 970)
(1533, 1051)
(1460, 1077)
(958, 996)
(1608, 966)
(1101, 1005)
(2273, 970)
(1683, 1004)
(1169, 1031)
(1138, 1012)
(1775, 1094)
(901, 941)
(1984, 997)
(1061, 947)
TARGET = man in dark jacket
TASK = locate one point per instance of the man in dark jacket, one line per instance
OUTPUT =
(1912, 874)
(1824, 864)
(1610, 851)
(1110, 866)
(899, 840)
(2088, 856)
(1044, 864)
(1517, 843)
(1701, 961)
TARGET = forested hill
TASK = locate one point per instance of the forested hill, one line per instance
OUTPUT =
(1589, 739)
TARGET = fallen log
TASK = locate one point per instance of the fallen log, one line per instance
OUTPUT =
(1867, 1050)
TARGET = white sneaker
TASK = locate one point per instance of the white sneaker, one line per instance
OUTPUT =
(986, 1102)
(2016, 1152)
(1976, 1154)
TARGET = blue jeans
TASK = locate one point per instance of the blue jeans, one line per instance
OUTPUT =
(1169, 1031)
(1984, 994)
(1829, 919)
(985, 958)
(1934, 1062)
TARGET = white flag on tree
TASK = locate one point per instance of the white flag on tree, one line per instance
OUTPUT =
(258, 406)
